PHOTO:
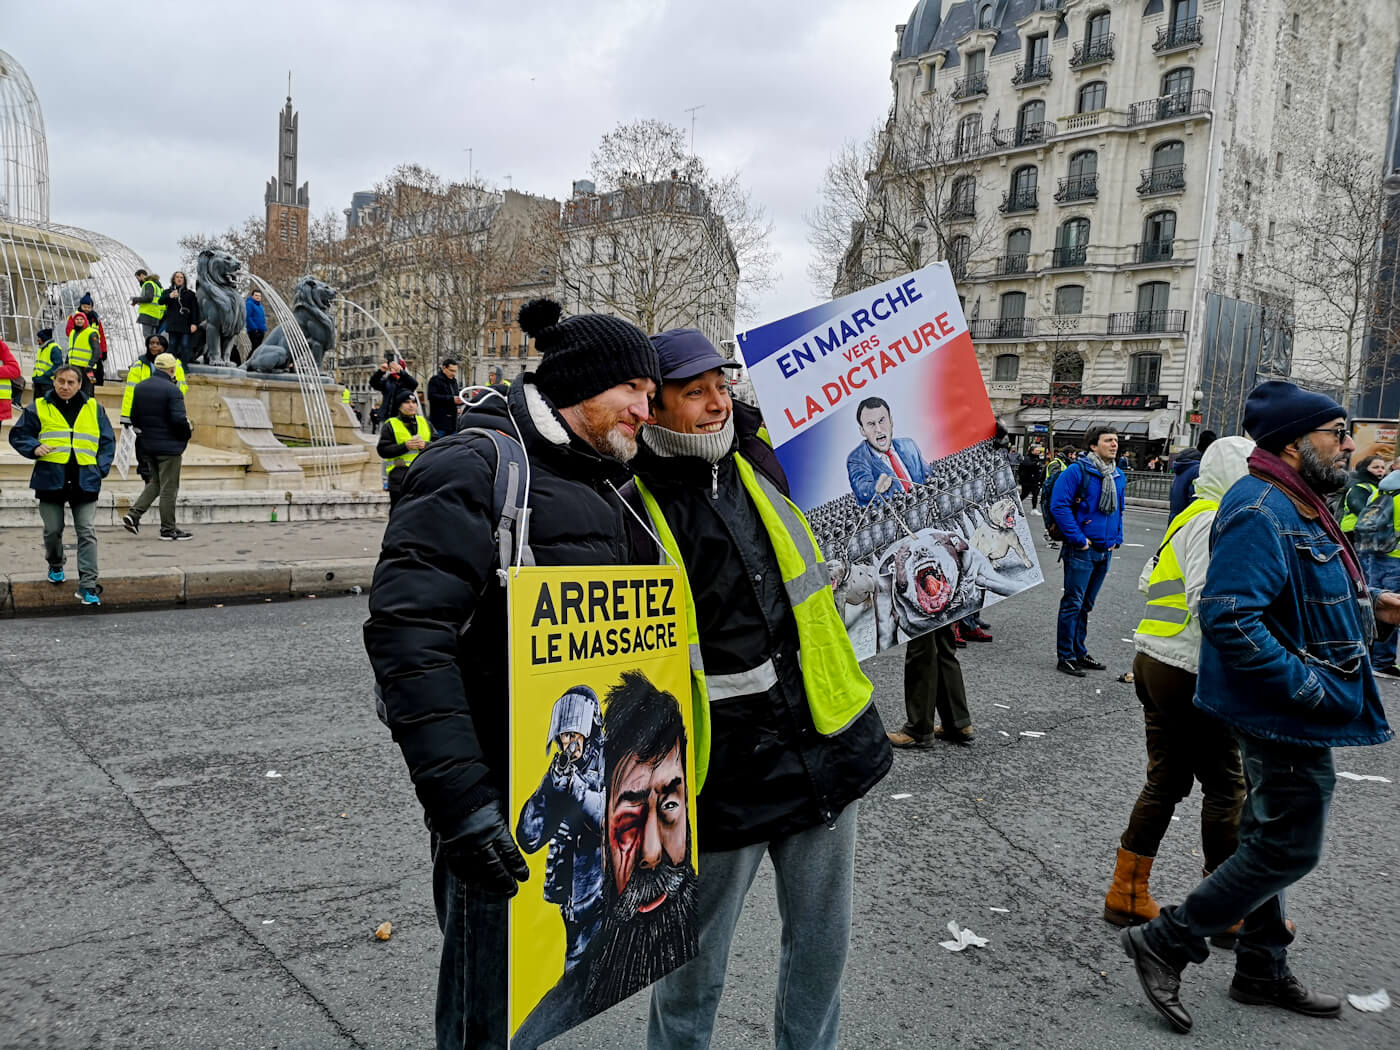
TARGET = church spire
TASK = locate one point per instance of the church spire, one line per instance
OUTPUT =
(282, 188)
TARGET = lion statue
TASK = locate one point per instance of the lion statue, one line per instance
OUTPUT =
(311, 306)
(219, 304)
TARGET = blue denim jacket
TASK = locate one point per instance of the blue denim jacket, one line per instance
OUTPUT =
(1284, 634)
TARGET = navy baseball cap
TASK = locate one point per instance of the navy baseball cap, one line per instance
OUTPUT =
(685, 353)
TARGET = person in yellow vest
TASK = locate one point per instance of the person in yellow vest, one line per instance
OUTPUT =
(404, 434)
(141, 370)
(787, 740)
(48, 357)
(149, 311)
(1184, 745)
(84, 350)
(68, 436)
(1382, 570)
(1363, 488)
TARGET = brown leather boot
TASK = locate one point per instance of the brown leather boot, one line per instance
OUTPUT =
(1129, 902)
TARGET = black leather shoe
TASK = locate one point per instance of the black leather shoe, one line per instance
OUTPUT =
(1161, 983)
(1088, 663)
(1287, 992)
(1067, 666)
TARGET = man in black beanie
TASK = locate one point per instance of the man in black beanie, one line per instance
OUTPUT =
(436, 633)
(1286, 618)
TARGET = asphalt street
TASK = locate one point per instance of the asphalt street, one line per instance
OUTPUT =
(204, 823)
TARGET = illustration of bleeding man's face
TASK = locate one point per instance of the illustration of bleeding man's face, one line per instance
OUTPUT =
(571, 744)
(647, 826)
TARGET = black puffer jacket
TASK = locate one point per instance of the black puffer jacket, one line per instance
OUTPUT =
(771, 773)
(445, 689)
(158, 414)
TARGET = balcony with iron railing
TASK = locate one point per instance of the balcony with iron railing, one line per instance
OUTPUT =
(958, 209)
(1002, 328)
(1176, 106)
(1169, 178)
(1145, 252)
(1010, 265)
(971, 86)
(1078, 188)
(1092, 52)
(1149, 387)
(1186, 32)
(1013, 201)
(1070, 256)
(1036, 71)
(1141, 322)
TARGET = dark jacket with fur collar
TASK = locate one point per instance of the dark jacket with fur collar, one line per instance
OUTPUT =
(771, 773)
(445, 689)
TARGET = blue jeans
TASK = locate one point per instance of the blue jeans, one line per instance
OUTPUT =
(471, 994)
(815, 872)
(1084, 575)
(1281, 832)
(1383, 574)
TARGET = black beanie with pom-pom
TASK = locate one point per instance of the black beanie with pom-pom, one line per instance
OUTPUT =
(583, 355)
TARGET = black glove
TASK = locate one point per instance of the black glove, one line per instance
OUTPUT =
(484, 855)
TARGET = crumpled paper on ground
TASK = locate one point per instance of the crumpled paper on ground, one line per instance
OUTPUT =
(962, 938)
(1373, 1003)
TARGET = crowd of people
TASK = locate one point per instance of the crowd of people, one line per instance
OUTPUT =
(616, 425)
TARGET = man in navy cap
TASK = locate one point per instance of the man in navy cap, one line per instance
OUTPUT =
(786, 739)
(1285, 620)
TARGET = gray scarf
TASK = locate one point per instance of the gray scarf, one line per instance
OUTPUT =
(1108, 491)
(710, 447)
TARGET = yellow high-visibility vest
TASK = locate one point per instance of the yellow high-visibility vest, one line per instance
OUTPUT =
(83, 347)
(139, 373)
(65, 442)
(153, 309)
(837, 691)
(1348, 521)
(1167, 612)
(345, 395)
(401, 435)
(44, 362)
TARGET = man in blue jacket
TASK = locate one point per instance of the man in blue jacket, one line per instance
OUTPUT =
(1087, 505)
(882, 460)
(256, 318)
(1285, 617)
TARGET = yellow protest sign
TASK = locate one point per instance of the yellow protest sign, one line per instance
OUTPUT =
(602, 790)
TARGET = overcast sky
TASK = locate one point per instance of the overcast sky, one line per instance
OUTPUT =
(167, 122)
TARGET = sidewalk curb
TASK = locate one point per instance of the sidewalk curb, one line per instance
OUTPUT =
(30, 593)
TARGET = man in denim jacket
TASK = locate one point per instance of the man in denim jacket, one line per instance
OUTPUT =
(1285, 618)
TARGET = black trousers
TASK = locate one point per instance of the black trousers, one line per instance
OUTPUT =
(1030, 490)
(933, 684)
(1184, 745)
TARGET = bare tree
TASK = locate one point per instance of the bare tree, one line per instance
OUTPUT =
(282, 270)
(1329, 257)
(663, 241)
(911, 192)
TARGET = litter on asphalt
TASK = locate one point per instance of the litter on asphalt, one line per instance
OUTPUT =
(1364, 776)
(1371, 1004)
(1031, 733)
(272, 774)
(962, 939)
(1004, 707)
(999, 911)
(902, 794)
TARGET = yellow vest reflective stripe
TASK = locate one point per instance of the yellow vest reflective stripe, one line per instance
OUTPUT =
(1395, 520)
(43, 360)
(5, 392)
(138, 373)
(401, 435)
(1167, 612)
(80, 441)
(837, 691)
(83, 347)
(153, 309)
(1348, 521)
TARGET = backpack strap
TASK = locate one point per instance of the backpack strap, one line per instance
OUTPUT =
(510, 501)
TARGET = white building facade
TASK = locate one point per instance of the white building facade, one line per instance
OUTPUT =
(1124, 160)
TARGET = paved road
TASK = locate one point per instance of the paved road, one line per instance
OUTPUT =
(162, 891)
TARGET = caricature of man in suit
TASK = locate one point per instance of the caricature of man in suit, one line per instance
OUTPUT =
(882, 461)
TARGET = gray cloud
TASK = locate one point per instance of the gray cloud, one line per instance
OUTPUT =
(164, 129)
